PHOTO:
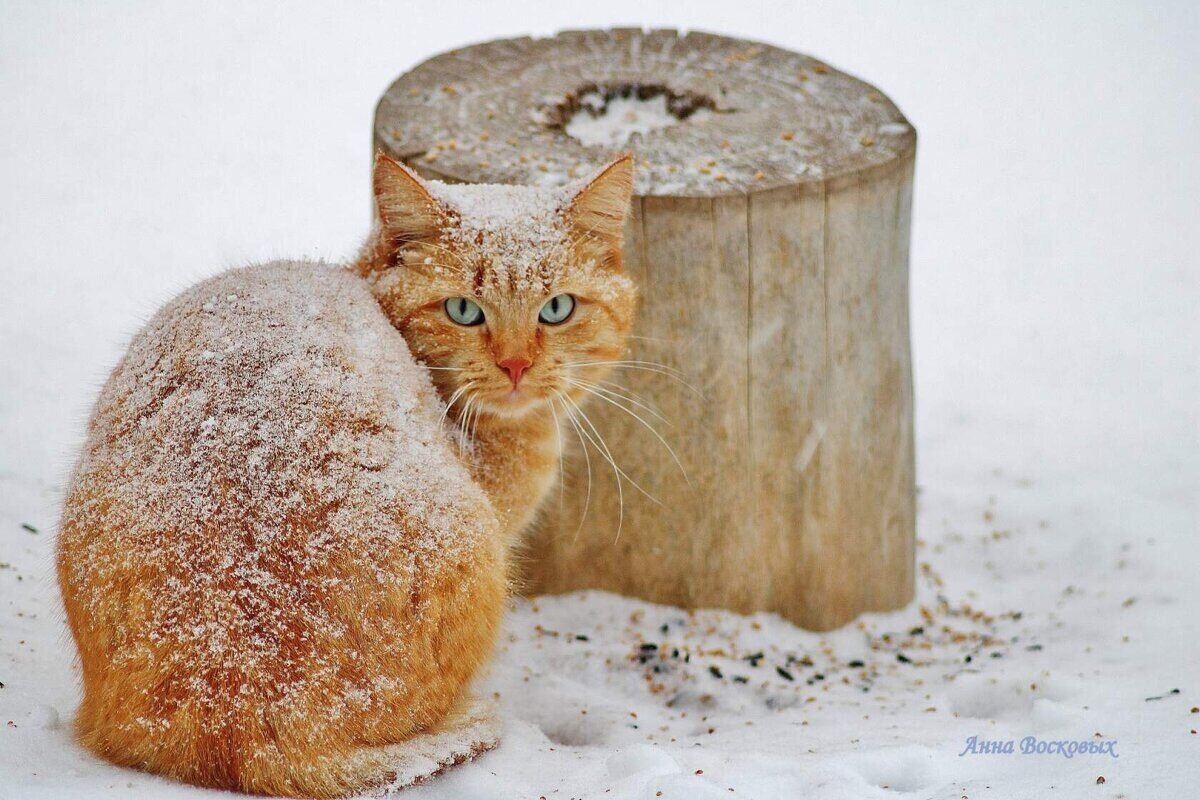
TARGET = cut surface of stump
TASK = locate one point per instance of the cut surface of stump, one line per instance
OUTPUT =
(769, 238)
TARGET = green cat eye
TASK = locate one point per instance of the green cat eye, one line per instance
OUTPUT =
(463, 311)
(557, 309)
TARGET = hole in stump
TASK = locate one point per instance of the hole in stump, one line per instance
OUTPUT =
(609, 116)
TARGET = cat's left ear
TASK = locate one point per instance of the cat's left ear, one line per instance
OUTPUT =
(599, 208)
(406, 208)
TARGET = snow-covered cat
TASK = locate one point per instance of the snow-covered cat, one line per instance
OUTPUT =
(280, 567)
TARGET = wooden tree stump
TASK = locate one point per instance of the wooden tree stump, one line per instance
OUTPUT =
(770, 239)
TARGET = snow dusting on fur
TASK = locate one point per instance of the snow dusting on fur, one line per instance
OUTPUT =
(1057, 432)
(519, 232)
(266, 456)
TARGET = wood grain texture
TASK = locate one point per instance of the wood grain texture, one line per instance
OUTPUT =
(493, 113)
(774, 274)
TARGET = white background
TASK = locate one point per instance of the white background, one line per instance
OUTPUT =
(1054, 304)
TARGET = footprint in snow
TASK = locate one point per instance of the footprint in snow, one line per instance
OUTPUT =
(898, 769)
(640, 760)
(997, 697)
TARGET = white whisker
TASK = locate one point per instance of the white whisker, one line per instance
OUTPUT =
(587, 385)
(648, 427)
(649, 338)
(627, 361)
(614, 385)
(477, 409)
(587, 459)
(602, 446)
(638, 366)
(464, 422)
(558, 443)
(454, 399)
(613, 464)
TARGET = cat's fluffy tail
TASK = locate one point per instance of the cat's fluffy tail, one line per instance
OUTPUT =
(379, 771)
(460, 738)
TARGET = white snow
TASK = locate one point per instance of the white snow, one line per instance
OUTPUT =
(614, 123)
(518, 230)
(1057, 370)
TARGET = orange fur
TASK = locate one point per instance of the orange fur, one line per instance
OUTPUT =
(415, 260)
(281, 575)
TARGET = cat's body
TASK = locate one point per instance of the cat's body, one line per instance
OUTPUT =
(248, 550)
(280, 566)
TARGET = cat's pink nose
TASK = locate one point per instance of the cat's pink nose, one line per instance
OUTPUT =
(515, 367)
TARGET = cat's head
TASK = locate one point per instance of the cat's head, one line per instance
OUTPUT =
(514, 296)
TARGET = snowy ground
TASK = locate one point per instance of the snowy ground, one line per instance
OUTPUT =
(1055, 286)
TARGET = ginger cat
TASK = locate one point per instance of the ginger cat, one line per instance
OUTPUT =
(284, 550)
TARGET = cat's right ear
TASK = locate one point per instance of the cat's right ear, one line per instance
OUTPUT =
(406, 208)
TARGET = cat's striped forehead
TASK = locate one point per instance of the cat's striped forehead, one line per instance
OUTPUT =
(511, 236)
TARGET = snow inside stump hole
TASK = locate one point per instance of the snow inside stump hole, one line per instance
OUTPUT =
(610, 116)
